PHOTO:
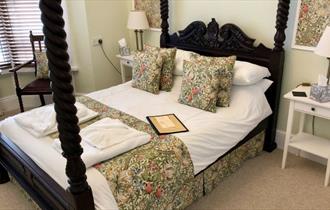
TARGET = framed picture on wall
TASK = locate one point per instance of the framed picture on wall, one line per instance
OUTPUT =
(312, 17)
(152, 9)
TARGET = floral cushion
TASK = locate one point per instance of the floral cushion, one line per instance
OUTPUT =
(147, 67)
(200, 85)
(226, 66)
(166, 78)
(42, 65)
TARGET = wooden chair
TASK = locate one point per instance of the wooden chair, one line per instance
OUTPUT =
(39, 87)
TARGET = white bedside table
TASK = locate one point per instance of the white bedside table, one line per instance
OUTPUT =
(125, 61)
(304, 141)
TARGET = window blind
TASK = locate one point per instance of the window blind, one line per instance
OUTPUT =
(17, 18)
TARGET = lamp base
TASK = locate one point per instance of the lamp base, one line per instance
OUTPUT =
(141, 39)
(139, 43)
(328, 75)
(136, 39)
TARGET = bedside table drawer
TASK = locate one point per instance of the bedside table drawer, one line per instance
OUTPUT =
(313, 110)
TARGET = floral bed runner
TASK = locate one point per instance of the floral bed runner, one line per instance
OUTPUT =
(157, 175)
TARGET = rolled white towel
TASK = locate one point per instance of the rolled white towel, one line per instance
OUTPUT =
(109, 132)
(113, 146)
(41, 121)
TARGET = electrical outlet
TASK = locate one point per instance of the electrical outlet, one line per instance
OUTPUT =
(95, 40)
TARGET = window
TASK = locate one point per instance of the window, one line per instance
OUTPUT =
(17, 18)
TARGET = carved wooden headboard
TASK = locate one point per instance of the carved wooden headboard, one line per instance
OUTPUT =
(229, 39)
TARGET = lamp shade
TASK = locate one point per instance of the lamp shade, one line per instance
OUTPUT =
(323, 48)
(137, 20)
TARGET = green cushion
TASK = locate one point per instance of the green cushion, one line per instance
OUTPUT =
(147, 67)
(166, 77)
(226, 66)
(200, 85)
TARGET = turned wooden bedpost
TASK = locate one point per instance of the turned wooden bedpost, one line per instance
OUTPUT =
(4, 178)
(58, 61)
(281, 23)
(165, 26)
(276, 68)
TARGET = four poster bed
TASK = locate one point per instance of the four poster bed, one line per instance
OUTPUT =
(210, 40)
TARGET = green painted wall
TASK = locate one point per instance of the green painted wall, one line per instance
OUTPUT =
(81, 49)
(7, 86)
(90, 19)
(257, 19)
(108, 20)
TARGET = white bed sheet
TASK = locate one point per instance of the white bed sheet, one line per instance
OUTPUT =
(210, 134)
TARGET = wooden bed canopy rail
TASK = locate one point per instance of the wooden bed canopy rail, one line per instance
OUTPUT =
(207, 40)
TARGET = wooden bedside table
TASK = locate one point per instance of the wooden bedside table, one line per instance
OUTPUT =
(304, 141)
(125, 61)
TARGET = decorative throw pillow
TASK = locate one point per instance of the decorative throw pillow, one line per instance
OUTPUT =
(168, 54)
(42, 65)
(200, 85)
(146, 70)
(226, 65)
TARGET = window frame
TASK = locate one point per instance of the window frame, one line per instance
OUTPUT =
(15, 27)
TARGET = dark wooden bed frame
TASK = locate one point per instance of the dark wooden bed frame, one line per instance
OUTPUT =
(206, 40)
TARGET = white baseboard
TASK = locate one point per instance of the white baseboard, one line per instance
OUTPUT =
(280, 138)
(10, 103)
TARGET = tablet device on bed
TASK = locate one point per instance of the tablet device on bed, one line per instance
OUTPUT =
(166, 124)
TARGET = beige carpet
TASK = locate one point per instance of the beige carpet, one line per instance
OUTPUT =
(259, 184)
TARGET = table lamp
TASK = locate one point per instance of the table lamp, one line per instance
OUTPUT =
(323, 47)
(137, 20)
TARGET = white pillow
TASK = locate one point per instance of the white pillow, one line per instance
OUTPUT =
(264, 84)
(181, 55)
(246, 73)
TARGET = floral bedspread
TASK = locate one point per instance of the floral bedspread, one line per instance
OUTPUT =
(157, 175)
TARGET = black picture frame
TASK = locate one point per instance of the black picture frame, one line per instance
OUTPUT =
(166, 133)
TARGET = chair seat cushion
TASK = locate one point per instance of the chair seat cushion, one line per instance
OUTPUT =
(38, 86)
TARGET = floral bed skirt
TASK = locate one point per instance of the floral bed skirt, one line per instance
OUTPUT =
(207, 180)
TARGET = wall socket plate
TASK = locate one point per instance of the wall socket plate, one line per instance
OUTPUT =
(95, 40)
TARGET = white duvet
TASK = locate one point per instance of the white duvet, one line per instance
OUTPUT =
(210, 134)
